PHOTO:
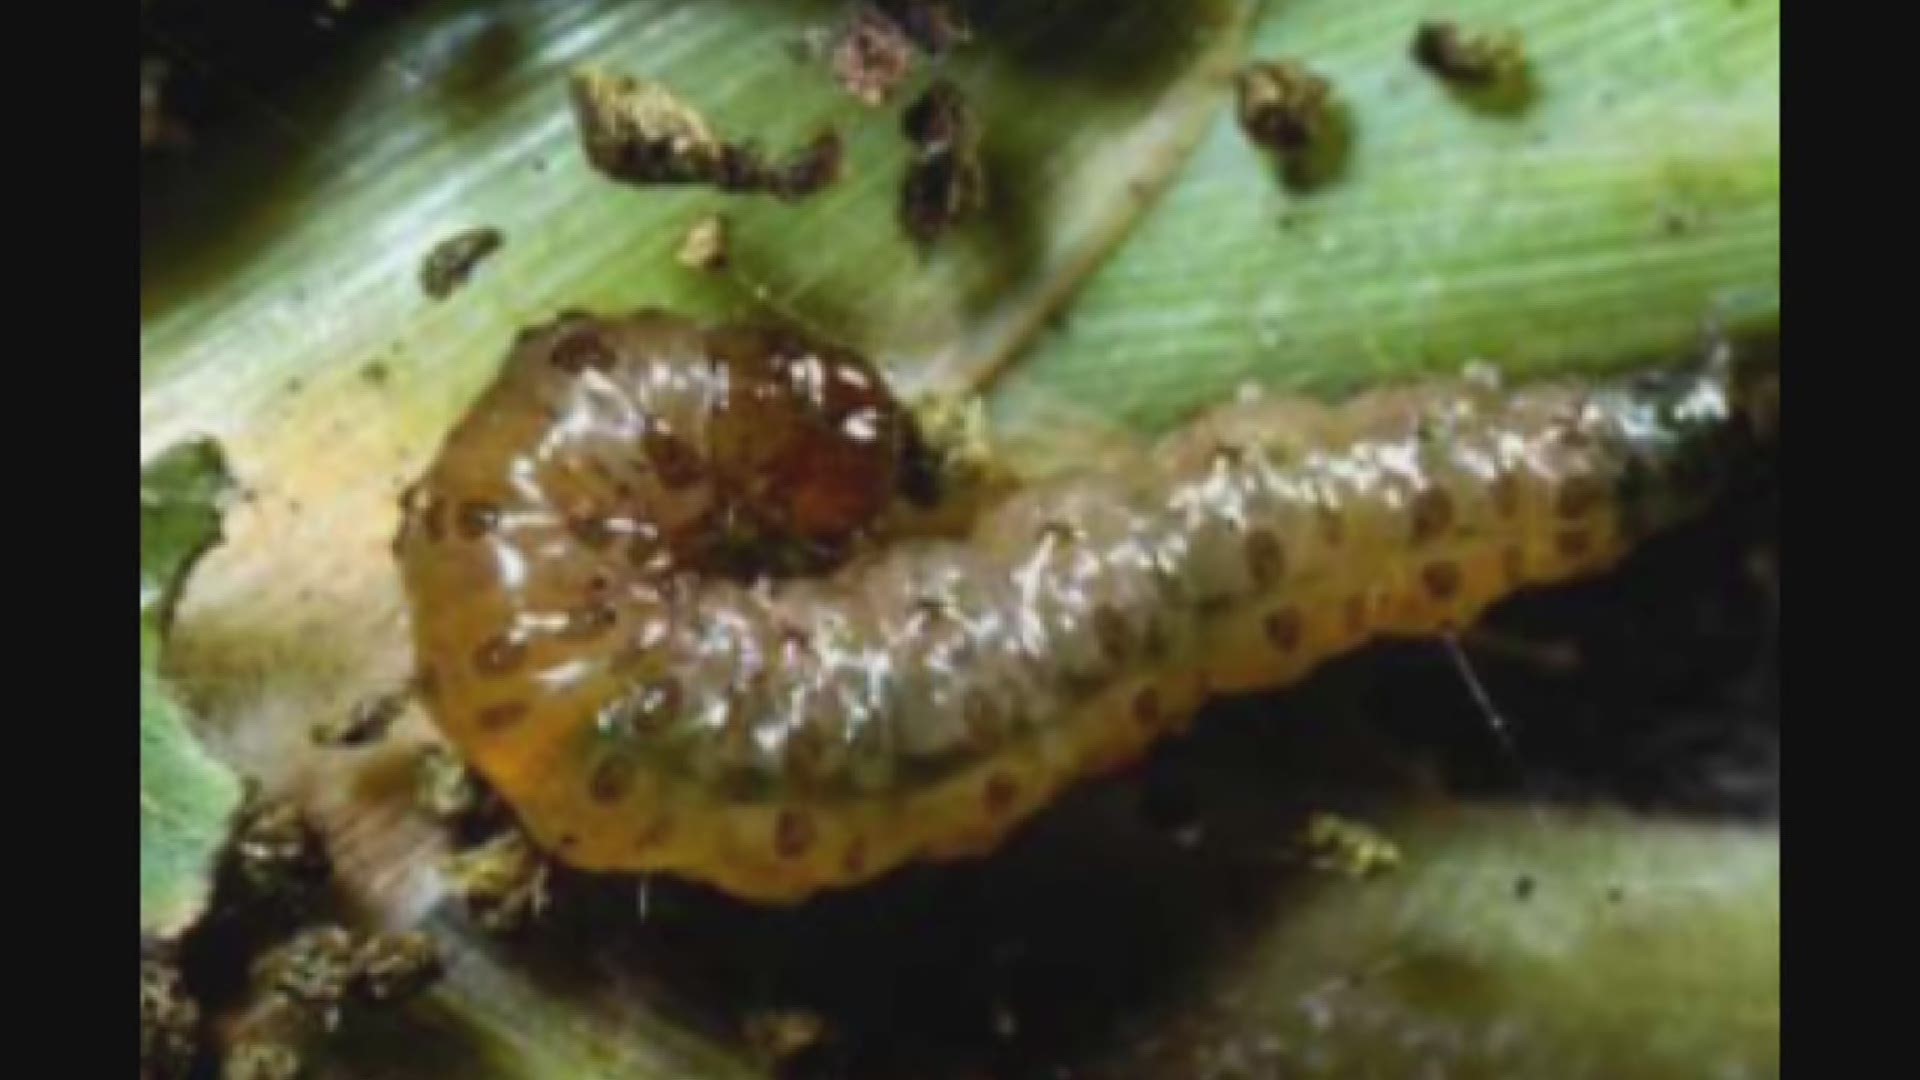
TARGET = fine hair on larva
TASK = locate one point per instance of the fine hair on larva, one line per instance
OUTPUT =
(658, 606)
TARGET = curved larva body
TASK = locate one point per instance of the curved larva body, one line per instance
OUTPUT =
(642, 711)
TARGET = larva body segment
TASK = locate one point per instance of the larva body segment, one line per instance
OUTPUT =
(648, 609)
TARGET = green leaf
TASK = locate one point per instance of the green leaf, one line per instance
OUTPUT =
(187, 798)
(1631, 210)
(1511, 943)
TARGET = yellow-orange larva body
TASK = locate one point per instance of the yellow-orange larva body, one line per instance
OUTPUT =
(641, 613)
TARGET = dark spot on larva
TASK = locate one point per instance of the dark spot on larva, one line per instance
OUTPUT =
(673, 460)
(476, 518)
(854, 862)
(569, 840)
(1146, 707)
(1577, 496)
(580, 350)
(999, 793)
(981, 719)
(610, 779)
(1116, 638)
(1266, 559)
(1432, 515)
(589, 622)
(1506, 495)
(1283, 629)
(504, 715)
(1522, 887)
(1573, 543)
(792, 834)
(1442, 580)
(592, 531)
(499, 655)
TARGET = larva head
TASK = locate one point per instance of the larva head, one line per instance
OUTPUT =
(735, 449)
(556, 552)
(808, 443)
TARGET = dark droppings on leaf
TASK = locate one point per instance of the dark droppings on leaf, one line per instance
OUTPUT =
(277, 869)
(1486, 70)
(394, 967)
(640, 132)
(1469, 60)
(872, 56)
(309, 987)
(169, 1021)
(811, 169)
(874, 52)
(1282, 105)
(276, 975)
(452, 261)
(1292, 113)
(945, 183)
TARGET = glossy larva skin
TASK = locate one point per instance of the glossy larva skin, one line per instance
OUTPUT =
(592, 635)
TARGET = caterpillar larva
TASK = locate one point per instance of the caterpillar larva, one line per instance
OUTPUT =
(649, 609)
